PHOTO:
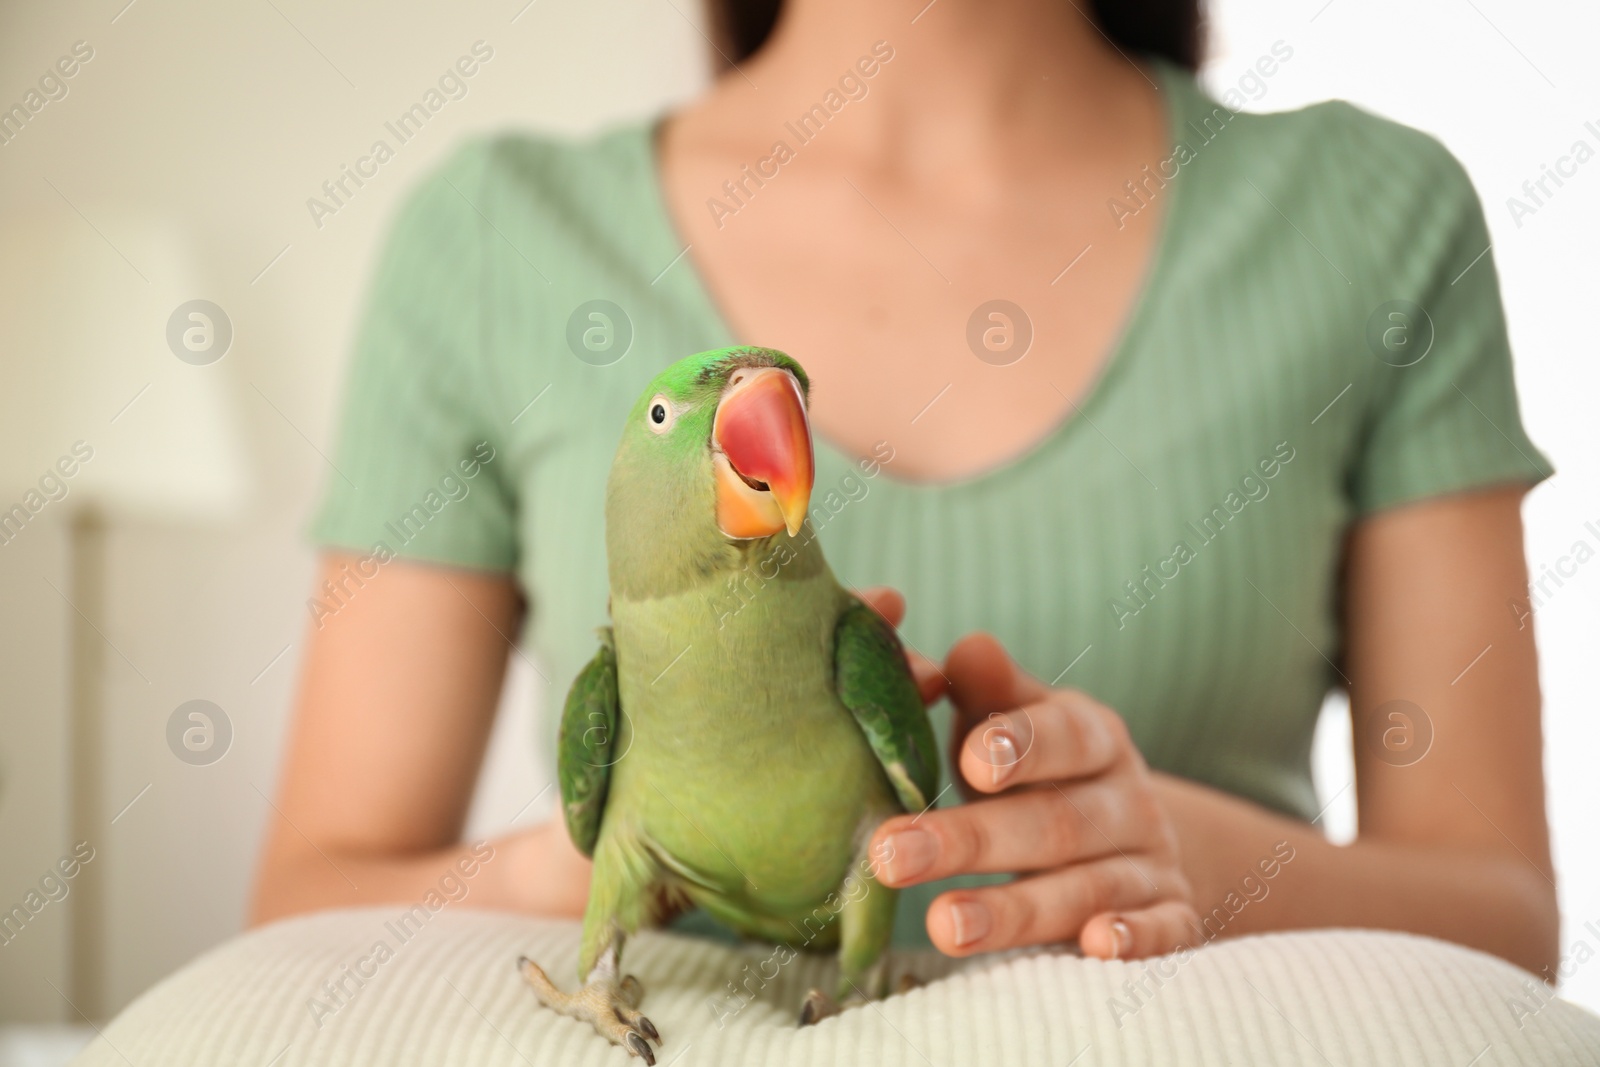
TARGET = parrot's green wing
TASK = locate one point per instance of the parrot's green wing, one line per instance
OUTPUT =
(874, 681)
(584, 748)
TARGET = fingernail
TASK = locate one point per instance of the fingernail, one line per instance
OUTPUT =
(1121, 938)
(907, 854)
(971, 920)
(1002, 754)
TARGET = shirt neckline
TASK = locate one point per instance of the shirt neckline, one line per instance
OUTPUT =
(1174, 85)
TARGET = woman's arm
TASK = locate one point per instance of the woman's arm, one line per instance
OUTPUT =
(1455, 844)
(396, 703)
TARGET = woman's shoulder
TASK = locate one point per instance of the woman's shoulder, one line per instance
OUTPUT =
(1333, 148)
(614, 161)
(1345, 142)
(535, 186)
(1383, 201)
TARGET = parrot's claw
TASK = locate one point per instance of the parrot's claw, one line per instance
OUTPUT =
(610, 1006)
(816, 1007)
(640, 1047)
(819, 1006)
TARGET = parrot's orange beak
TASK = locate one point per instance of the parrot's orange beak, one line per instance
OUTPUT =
(761, 443)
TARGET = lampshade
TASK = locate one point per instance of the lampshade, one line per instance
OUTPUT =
(97, 406)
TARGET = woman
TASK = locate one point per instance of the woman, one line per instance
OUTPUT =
(1197, 413)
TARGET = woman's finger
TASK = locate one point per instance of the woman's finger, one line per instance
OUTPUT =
(1028, 830)
(1047, 907)
(1130, 935)
(983, 681)
(931, 682)
(885, 601)
(1067, 736)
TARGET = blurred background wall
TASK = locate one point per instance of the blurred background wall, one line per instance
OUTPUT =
(174, 165)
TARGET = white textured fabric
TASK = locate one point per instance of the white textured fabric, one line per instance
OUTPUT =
(445, 992)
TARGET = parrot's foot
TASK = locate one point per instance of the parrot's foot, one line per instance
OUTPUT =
(816, 1007)
(609, 1005)
(819, 1006)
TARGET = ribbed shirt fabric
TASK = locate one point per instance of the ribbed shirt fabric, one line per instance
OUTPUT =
(1172, 547)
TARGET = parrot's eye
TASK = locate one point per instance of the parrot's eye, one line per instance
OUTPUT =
(660, 414)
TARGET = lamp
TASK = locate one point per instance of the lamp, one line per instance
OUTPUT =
(102, 418)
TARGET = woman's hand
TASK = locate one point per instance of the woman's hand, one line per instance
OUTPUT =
(931, 681)
(1061, 797)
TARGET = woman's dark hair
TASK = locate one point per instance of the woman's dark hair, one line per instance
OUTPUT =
(1170, 29)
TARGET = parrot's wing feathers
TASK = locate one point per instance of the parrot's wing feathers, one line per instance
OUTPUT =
(584, 748)
(874, 681)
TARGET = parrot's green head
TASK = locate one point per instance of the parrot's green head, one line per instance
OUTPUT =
(715, 456)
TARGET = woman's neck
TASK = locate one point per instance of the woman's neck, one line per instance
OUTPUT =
(969, 85)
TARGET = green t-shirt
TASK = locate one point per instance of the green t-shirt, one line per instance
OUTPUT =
(1172, 548)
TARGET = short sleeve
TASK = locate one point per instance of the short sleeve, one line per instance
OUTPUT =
(1444, 416)
(418, 473)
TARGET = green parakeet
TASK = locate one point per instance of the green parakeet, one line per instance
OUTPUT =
(747, 722)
